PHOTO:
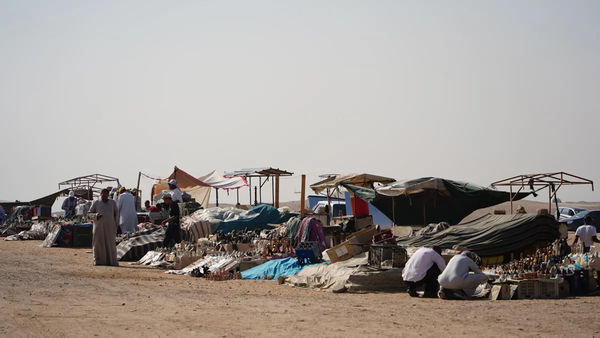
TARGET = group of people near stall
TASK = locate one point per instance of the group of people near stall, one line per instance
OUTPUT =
(118, 214)
(460, 277)
(456, 280)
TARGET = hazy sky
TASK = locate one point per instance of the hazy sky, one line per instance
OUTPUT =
(468, 90)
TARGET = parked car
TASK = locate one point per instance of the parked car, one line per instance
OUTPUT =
(567, 212)
(338, 207)
(577, 220)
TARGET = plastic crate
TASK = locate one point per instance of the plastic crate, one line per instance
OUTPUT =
(82, 235)
(549, 289)
(384, 237)
(528, 289)
(308, 252)
(382, 253)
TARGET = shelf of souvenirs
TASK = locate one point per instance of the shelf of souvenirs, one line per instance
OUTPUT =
(552, 262)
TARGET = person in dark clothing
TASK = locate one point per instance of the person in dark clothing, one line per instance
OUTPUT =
(173, 233)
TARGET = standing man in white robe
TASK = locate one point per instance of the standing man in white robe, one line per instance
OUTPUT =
(128, 215)
(105, 214)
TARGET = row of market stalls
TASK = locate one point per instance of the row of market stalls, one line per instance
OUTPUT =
(350, 253)
(200, 187)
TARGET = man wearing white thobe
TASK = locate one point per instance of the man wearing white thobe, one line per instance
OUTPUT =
(127, 213)
(105, 214)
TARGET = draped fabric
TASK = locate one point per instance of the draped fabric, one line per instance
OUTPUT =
(220, 182)
(311, 230)
(199, 190)
(140, 243)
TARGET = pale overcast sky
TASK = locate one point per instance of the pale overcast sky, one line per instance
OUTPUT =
(467, 90)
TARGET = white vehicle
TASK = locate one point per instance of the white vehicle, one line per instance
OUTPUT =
(566, 212)
(338, 208)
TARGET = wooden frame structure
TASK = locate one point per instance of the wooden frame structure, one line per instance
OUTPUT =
(552, 181)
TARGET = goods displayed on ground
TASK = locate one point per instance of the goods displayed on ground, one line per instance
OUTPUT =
(525, 256)
(550, 272)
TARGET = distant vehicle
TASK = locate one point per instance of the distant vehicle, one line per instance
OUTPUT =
(567, 212)
(577, 220)
(338, 207)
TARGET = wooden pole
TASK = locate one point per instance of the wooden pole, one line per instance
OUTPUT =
(137, 191)
(302, 195)
(272, 190)
(277, 191)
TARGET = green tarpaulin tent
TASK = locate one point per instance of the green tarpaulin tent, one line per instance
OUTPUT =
(493, 235)
(430, 200)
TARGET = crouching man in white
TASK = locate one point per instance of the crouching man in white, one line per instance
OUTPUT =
(461, 277)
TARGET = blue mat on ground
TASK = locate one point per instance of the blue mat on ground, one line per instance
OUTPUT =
(277, 267)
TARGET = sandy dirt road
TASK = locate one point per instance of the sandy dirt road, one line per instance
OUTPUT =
(57, 292)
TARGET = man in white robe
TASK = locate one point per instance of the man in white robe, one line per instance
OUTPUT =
(105, 214)
(127, 213)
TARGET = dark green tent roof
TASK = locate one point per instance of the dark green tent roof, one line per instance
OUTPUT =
(493, 235)
(430, 200)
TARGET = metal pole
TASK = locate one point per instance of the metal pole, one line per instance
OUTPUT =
(511, 199)
(237, 192)
(255, 202)
(217, 195)
(272, 190)
(302, 195)
(549, 200)
(249, 190)
(260, 189)
(329, 213)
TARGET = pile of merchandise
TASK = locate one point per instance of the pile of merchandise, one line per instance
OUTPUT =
(547, 262)
(550, 272)
(37, 231)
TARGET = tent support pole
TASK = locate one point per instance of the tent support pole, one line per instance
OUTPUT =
(549, 200)
(329, 213)
(277, 191)
(272, 191)
(237, 192)
(511, 200)
(302, 195)
(393, 213)
(249, 190)
(138, 197)
(217, 195)
(260, 190)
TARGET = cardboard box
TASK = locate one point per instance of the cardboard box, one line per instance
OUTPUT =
(364, 236)
(341, 252)
(363, 222)
(184, 261)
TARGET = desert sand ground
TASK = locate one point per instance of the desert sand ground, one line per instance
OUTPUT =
(49, 292)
